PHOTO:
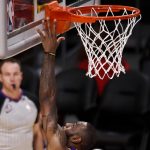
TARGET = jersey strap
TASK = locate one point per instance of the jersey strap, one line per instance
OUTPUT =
(72, 148)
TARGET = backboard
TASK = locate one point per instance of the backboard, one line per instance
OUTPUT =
(18, 21)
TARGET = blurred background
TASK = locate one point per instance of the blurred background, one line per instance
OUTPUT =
(118, 108)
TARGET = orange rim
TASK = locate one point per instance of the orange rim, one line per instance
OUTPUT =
(55, 11)
(104, 8)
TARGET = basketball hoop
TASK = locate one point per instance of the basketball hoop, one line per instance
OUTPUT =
(104, 31)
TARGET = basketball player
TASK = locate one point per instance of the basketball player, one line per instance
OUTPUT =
(18, 112)
(73, 136)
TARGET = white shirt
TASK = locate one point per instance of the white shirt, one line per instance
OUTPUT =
(16, 124)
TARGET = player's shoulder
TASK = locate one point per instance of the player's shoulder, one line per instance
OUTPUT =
(57, 140)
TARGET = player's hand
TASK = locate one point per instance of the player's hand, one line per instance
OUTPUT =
(48, 36)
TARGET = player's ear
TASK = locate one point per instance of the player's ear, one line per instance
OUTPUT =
(76, 139)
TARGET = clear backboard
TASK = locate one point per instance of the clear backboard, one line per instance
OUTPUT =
(18, 21)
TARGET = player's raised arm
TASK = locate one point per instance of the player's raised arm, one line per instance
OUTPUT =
(47, 91)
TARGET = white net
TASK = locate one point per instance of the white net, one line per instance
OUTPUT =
(104, 42)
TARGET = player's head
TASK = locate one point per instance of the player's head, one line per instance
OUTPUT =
(10, 73)
(80, 135)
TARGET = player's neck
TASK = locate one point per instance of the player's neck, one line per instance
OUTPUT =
(72, 148)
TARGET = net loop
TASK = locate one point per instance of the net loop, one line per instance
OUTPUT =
(104, 42)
